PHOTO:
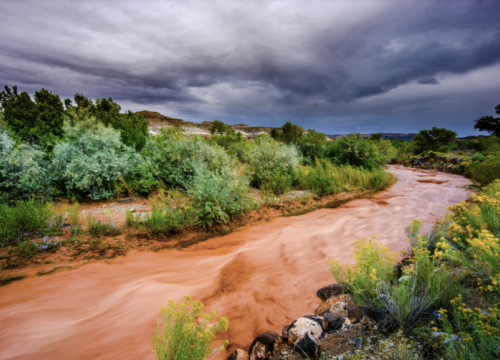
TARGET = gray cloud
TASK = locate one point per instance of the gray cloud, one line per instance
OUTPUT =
(318, 63)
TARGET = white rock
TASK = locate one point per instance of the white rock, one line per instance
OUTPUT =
(301, 326)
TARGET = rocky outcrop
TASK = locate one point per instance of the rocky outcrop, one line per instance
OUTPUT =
(432, 162)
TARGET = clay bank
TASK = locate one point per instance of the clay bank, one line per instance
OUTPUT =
(260, 278)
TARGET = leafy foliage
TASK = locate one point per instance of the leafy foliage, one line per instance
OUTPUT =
(218, 198)
(489, 123)
(39, 122)
(433, 139)
(269, 157)
(175, 160)
(24, 172)
(25, 220)
(90, 159)
(184, 332)
(289, 133)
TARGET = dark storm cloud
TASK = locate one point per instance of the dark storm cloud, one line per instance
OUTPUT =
(259, 61)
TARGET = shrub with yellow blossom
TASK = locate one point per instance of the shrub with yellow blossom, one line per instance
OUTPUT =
(184, 332)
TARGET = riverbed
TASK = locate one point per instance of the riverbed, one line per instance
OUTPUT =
(260, 278)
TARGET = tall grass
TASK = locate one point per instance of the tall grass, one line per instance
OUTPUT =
(184, 332)
(324, 178)
(25, 220)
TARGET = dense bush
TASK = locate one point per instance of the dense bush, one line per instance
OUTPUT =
(90, 159)
(269, 157)
(39, 122)
(394, 303)
(23, 221)
(433, 139)
(184, 332)
(218, 198)
(24, 172)
(175, 159)
(485, 172)
(357, 151)
(133, 128)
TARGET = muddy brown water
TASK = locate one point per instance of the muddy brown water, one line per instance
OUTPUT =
(260, 278)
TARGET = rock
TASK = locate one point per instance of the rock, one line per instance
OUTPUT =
(269, 339)
(259, 352)
(319, 319)
(325, 307)
(307, 346)
(238, 354)
(355, 313)
(302, 325)
(329, 291)
(339, 309)
(284, 333)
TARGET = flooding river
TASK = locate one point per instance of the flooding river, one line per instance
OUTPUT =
(260, 278)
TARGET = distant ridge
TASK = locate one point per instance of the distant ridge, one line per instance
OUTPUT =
(157, 121)
(400, 136)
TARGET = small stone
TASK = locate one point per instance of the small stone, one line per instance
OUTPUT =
(302, 325)
(258, 352)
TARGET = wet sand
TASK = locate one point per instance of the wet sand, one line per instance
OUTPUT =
(260, 278)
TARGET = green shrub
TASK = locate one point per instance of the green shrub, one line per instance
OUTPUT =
(217, 198)
(478, 157)
(169, 221)
(323, 179)
(269, 157)
(357, 151)
(91, 159)
(279, 183)
(404, 302)
(25, 220)
(485, 172)
(173, 158)
(98, 227)
(184, 332)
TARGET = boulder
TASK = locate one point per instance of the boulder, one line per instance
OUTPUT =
(307, 346)
(329, 291)
(259, 352)
(322, 321)
(355, 313)
(238, 354)
(302, 325)
(268, 339)
(325, 307)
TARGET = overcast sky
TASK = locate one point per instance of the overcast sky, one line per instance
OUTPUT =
(336, 66)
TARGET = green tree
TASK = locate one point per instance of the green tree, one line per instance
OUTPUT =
(39, 122)
(133, 127)
(219, 127)
(433, 139)
(489, 123)
(289, 133)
